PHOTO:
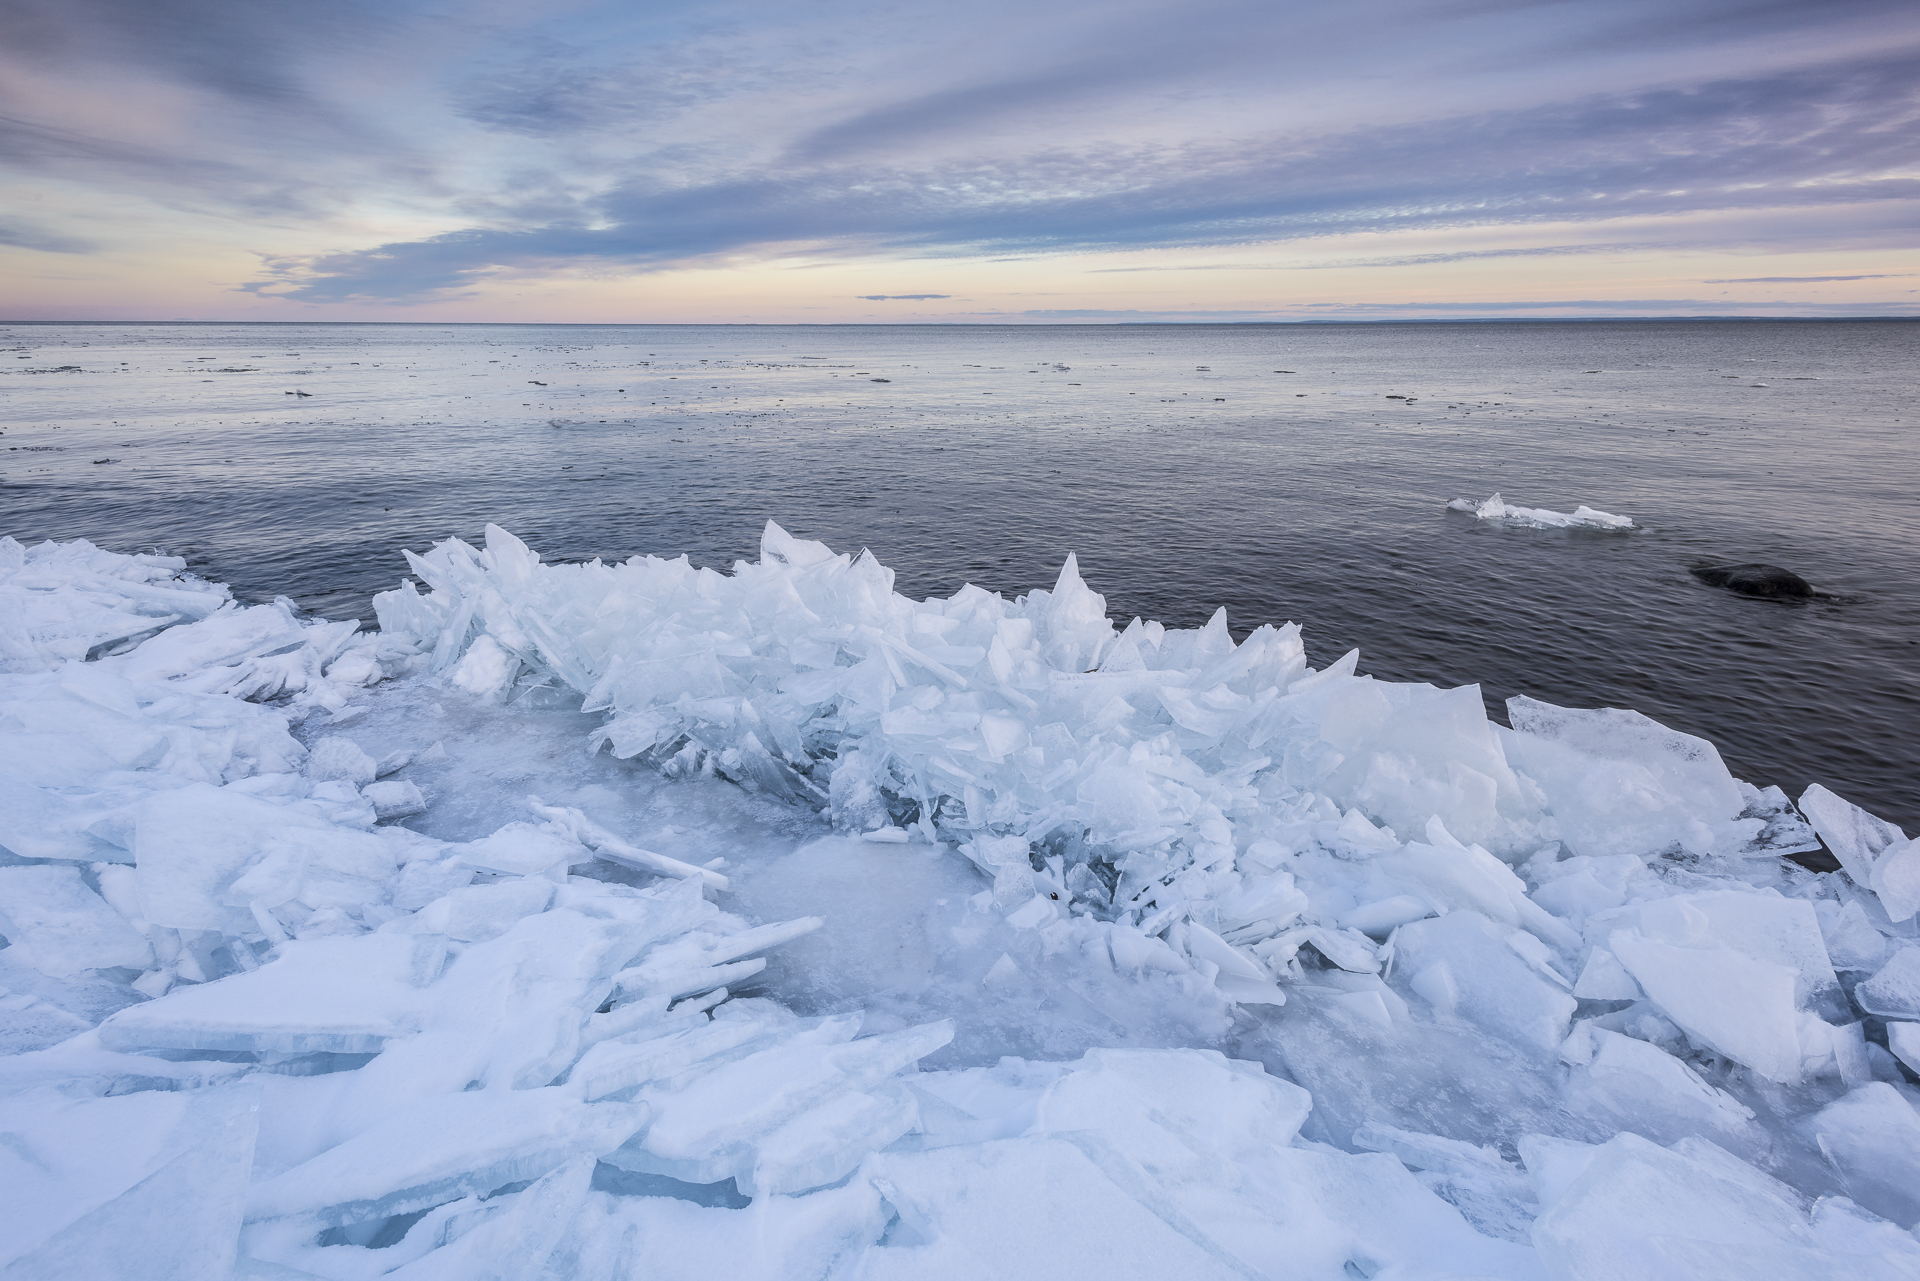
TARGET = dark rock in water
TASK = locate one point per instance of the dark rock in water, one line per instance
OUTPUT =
(1755, 580)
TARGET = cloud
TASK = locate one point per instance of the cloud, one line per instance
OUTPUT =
(24, 234)
(1799, 280)
(899, 297)
(403, 152)
(1807, 139)
(1405, 260)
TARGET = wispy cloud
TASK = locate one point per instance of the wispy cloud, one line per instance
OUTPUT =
(1407, 260)
(1801, 280)
(24, 233)
(899, 297)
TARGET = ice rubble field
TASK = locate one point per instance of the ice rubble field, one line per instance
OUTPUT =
(613, 920)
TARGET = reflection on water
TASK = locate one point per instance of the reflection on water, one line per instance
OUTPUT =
(1284, 472)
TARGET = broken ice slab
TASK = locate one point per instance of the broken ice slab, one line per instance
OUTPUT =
(1629, 1208)
(1904, 1040)
(1628, 1084)
(1022, 1207)
(1498, 978)
(92, 1184)
(1725, 1000)
(203, 854)
(1875, 853)
(700, 962)
(1618, 782)
(476, 913)
(394, 799)
(671, 1045)
(1181, 1114)
(614, 849)
(439, 1149)
(1894, 990)
(824, 1144)
(56, 924)
(1762, 924)
(520, 849)
(1872, 1138)
(711, 1128)
(338, 995)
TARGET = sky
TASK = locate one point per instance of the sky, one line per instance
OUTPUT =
(1043, 161)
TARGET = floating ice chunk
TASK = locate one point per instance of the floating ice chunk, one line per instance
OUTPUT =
(340, 995)
(1894, 990)
(1619, 782)
(1583, 517)
(1495, 977)
(149, 1184)
(1631, 1085)
(60, 927)
(437, 1150)
(1678, 1214)
(1872, 1137)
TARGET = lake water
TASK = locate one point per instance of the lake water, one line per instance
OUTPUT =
(1273, 470)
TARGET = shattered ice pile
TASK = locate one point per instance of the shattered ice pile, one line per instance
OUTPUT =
(1496, 508)
(1539, 1002)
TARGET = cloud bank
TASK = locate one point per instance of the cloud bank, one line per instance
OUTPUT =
(519, 142)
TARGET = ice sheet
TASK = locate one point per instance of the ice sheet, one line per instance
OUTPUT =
(898, 938)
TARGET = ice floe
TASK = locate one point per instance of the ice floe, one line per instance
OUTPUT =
(1497, 508)
(1051, 948)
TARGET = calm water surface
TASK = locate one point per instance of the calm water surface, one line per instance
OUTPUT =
(1269, 469)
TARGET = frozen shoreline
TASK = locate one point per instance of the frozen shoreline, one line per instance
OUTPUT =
(256, 935)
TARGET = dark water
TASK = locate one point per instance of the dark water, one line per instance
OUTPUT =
(1185, 471)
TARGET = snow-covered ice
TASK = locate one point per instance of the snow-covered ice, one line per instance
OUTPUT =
(591, 919)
